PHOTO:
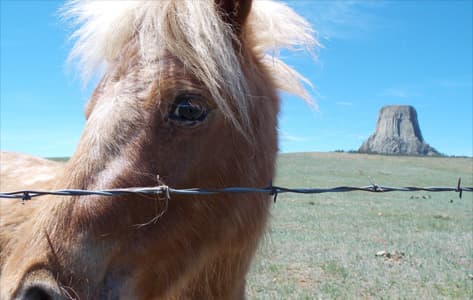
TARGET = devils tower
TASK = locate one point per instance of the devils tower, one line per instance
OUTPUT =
(397, 132)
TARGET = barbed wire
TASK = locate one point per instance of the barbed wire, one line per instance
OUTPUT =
(272, 190)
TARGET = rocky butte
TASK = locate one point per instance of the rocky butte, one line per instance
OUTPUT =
(397, 133)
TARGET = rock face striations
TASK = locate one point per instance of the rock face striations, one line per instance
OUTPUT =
(397, 132)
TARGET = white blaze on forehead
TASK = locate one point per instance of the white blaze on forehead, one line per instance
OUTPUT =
(114, 120)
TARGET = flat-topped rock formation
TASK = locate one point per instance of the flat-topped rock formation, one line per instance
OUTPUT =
(398, 132)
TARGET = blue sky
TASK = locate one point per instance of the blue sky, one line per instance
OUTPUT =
(375, 53)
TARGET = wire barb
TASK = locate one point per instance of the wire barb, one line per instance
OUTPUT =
(165, 190)
(26, 196)
(459, 188)
(273, 191)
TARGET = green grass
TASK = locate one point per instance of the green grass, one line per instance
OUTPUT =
(61, 159)
(323, 246)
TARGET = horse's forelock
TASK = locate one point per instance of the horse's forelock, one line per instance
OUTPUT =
(196, 34)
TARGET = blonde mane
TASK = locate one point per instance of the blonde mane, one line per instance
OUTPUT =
(195, 33)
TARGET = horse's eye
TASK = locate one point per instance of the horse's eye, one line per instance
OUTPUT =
(188, 110)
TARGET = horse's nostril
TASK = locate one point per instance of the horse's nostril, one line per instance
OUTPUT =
(39, 285)
(37, 292)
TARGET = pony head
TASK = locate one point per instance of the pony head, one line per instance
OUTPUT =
(187, 98)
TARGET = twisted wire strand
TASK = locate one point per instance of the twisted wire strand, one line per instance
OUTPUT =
(272, 190)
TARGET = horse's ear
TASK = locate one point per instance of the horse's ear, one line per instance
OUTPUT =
(234, 12)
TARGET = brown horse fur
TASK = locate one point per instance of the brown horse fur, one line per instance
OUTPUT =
(145, 247)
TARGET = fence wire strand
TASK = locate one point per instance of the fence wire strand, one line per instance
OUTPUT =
(271, 190)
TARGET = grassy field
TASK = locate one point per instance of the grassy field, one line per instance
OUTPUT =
(62, 159)
(324, 246)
